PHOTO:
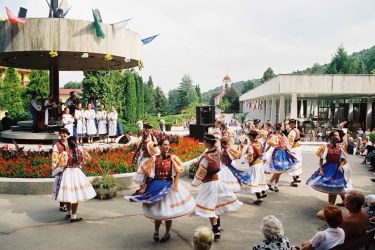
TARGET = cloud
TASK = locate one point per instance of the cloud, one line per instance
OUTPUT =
(210, 38)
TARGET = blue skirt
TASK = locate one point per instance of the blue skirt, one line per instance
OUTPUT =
(282, 161)
(156, 190)
(242, 176)
(332, 182)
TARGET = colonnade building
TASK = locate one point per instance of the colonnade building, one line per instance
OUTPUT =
(320, 98)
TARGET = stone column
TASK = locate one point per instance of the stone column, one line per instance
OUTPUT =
(273, 110)
(351, 110)
(282, 108)
(293, 106)
(369, 114)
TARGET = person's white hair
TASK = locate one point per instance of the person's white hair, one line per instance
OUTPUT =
(272, 227)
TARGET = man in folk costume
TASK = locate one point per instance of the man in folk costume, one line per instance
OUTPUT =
(258, 178)
(294, 137)
(256, 125)
(148, 147)
(58, 148)
(163, 197)
(214, 198)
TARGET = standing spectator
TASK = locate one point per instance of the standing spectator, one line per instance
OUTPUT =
(350, 146)
(112, 124)
(330, 237)
(368, 148)
(140, 124)
(79, 116)
(101, 116)
(90, 123)
(162, 124)
(92, 100)
(273, 232)
(203, 238)
(68, 120)
(72, 102)
(6, 122)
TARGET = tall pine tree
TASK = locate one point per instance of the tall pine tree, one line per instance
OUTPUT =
(161, 102)
(187, 93)
(149, 97)
(130, 98)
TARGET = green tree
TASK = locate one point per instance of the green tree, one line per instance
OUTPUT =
(248, 85)
(187, 93)
(361, 67)
(161, 102)
(224, 104)
(268, 74)
(73, 85)
(130, 98)
(317, 69)
(11, 97)
(199, 94)
(149, 97)
(140, 95)
(232, 97)
(39, 83)
(173, 100)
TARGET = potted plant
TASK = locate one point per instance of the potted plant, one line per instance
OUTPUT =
(105, 185)
(192, 170)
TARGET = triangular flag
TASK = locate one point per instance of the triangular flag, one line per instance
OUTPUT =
(120, 25)
(63, 5)
(98, 26)
(13, 19)
(66, 12)
(149, 39)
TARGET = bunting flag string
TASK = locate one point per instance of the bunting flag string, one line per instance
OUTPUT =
(121, 25)
(149, 39)
(13, 19)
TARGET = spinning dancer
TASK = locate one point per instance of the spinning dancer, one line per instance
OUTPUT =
(294, 137)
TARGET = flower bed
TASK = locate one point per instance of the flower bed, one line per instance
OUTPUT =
(37, 164)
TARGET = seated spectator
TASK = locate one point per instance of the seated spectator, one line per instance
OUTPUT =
(355, 224)
(273, 232)
(6, 122)
(350, 146)
(370, 206)
(203, 238)
(330, 237)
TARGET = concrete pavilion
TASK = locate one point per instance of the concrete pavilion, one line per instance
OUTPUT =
(322, 97)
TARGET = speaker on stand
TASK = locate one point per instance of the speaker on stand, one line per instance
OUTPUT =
(205, 117)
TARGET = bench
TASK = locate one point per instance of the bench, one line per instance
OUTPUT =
(363, 242)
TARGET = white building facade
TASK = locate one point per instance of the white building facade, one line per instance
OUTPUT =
(324, 98)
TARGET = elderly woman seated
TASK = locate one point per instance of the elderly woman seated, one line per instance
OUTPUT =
(330, 237)
(274, 235)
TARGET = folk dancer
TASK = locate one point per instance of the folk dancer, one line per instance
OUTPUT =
(101, 116)
(163, 197)
(75, 186)
(294, 137)
(68, 120)
(90, 123)
(258, 178)
(266, 133)
(57, 170)
(282, 160)
(256, 125)
(214, 198)
(232, 177)
(112, 124)
(79, 116)
(329, 178)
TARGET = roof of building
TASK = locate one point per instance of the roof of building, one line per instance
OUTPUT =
(67, 91)
(312, 85)
(226, 78)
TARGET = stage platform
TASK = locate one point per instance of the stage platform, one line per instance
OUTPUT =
(28, 135)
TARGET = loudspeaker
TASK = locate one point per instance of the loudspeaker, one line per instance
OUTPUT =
(124, 139)
(205, 115)
(22, 12)
(197, 131)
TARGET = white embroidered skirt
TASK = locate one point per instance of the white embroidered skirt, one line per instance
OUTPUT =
(298, 168)
(75, 186)
(215, 199)
(258, 179)
(228, 179)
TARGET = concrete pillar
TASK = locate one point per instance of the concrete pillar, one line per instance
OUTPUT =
(301, 114)
(293, 106)
(273, 110)
(369, 114)
(282, 108)
(351, 110)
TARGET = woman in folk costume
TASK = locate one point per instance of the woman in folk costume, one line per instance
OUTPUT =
(68, 120)
(229, 175)
(225, 132)
(74, 186)
(58, 148)
(329, 178)
(112, 124)
(214, 198)
(101, 117)
(163, 197)
(266, 134)
(256, 125)
(148, 147)
(282, 161)
(90, 123)
(294, 137)
(258, 179)
(79, 116)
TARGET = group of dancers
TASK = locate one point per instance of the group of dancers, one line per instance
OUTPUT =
(164, 198)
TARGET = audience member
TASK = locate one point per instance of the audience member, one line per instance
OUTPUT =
(6, 122)
(203, 238)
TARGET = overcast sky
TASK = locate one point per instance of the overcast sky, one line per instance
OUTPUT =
(209, 38)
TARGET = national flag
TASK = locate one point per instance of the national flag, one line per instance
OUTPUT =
(149, 39)
(13, 19)
(98, 26)
(120, 25)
